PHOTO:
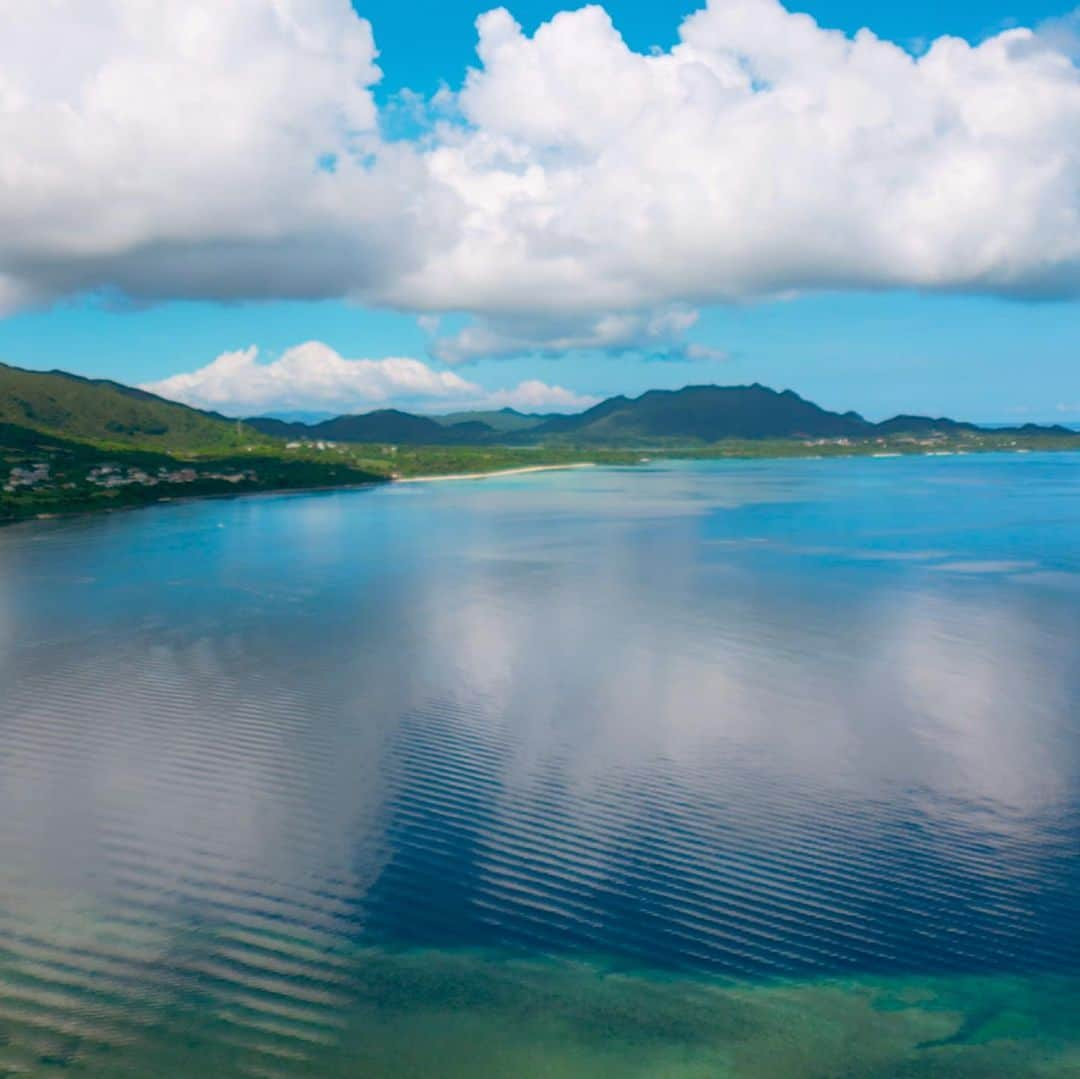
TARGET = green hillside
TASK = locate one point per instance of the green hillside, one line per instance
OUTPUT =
(702, 414)
(42, 474)
(499, 421)
(385, 425)
(102, 411)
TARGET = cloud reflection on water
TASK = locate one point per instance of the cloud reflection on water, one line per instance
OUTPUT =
(544, 715)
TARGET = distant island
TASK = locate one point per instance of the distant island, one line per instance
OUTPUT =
(72, 444)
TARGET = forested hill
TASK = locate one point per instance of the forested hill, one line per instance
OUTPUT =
(97, 410)
(694, 415)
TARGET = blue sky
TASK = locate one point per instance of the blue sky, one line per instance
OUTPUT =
(425, 43)
(875, 347)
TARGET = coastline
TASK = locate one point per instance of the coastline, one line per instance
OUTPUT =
(180, 499)
(186, 499)
(83, 510)
(497, 472)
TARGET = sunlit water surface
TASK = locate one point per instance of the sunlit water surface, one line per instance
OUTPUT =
(736, 769)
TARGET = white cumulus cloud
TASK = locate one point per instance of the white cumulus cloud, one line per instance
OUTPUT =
(573, 189)
(314, 376)
(192, 148)
(761, 155)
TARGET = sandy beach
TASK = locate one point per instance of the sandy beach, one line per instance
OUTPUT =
(499, 472)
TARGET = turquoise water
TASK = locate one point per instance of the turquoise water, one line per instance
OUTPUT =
(735, 769)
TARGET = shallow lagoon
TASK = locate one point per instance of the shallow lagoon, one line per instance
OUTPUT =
(763, 768)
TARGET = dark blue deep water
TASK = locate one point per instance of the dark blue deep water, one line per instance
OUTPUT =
(753, 769)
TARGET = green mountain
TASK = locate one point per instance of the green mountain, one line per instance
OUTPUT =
(695, 415)
(917, 425)
(702, 414)
(502, 420)
(102, 411)
(383, 425)
(920, 425)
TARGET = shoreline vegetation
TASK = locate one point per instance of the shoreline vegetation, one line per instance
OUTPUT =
(68, 478)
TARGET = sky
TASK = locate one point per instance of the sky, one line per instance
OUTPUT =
(302, 205)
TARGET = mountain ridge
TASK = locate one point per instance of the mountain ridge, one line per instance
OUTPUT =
(700, 414)
(73, 406)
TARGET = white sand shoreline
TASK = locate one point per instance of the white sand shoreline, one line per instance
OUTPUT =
(498, 472)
